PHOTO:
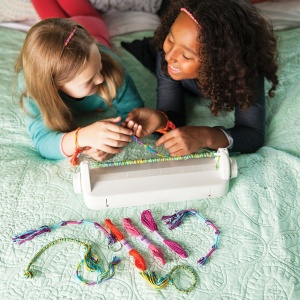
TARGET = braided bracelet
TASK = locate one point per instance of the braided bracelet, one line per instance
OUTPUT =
(77, 151)
(175, 220)
(90, 260)
(169, 126)
(186, 268)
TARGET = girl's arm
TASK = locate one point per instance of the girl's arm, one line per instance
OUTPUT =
(104, 135)
(46, 141)
(247, 135)
(249, 130)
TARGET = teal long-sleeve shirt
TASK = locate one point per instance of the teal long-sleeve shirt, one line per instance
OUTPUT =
(48, 142)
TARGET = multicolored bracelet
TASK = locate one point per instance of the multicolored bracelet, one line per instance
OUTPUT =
(169, 126)
(90, 261)
(78, 150)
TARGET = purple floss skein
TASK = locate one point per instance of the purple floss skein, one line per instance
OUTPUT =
(148, 221)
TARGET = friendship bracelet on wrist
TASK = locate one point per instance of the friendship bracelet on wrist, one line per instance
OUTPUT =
(169, 126)
(77, 151)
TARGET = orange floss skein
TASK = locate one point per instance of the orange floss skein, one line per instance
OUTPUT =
(139, 261)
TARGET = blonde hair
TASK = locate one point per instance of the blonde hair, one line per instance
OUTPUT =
(47, 65)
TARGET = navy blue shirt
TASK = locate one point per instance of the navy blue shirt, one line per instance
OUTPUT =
(249, 125)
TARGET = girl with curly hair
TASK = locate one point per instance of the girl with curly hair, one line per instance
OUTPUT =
(221, 50)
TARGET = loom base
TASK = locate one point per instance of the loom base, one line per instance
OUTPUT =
(150, 183)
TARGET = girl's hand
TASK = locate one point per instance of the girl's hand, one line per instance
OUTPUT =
(97, 154)
(189, 139)
(144, 121)
(105, 135)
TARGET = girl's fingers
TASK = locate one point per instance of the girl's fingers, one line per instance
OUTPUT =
(113, 128)
(138, 131)
(117, 137)
(93, 151)
(115, 143)
(110, 149)
(175, 150)
(164, 139)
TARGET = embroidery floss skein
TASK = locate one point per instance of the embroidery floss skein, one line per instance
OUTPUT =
(31, 234)
(139, 261)
(148, 221)
(150, 277)
(175, 220)
(133, 230)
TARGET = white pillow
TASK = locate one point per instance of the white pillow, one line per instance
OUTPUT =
(119, 23)
(283, 14)
(17, 10)
(150, 6)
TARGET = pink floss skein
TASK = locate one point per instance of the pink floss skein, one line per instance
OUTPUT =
(131, 229)
(148, 221)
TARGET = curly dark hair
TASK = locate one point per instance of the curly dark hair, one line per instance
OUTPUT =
(236, 44)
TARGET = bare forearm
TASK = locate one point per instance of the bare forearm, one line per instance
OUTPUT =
(214, 137)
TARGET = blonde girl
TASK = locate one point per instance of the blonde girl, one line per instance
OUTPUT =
(63, 72)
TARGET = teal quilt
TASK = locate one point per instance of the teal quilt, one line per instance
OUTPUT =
(258, 254)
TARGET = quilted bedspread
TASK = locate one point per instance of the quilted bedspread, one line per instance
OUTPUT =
(258, 256)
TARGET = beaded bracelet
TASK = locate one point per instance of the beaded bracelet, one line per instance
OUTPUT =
(175, 220)
(77, 151)
(169, 126)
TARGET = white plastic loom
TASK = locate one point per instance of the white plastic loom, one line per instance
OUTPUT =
(155, 182)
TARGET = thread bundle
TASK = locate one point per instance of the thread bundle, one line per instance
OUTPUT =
(150, 277)
(148, 221)
(31, 234)
(133, 230)
(176, 219)
(92, 262)
(139, 261)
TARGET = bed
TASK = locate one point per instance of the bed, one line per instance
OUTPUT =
(258, 254)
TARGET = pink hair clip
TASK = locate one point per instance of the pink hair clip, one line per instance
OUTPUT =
(70, 36)
(190, 15)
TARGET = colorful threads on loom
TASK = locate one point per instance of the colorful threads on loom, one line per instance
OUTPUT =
(148, 221)
(206, 154)
(136, 139)
(90, 261)
(31, 234)
(133, 230)
(175, 220)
